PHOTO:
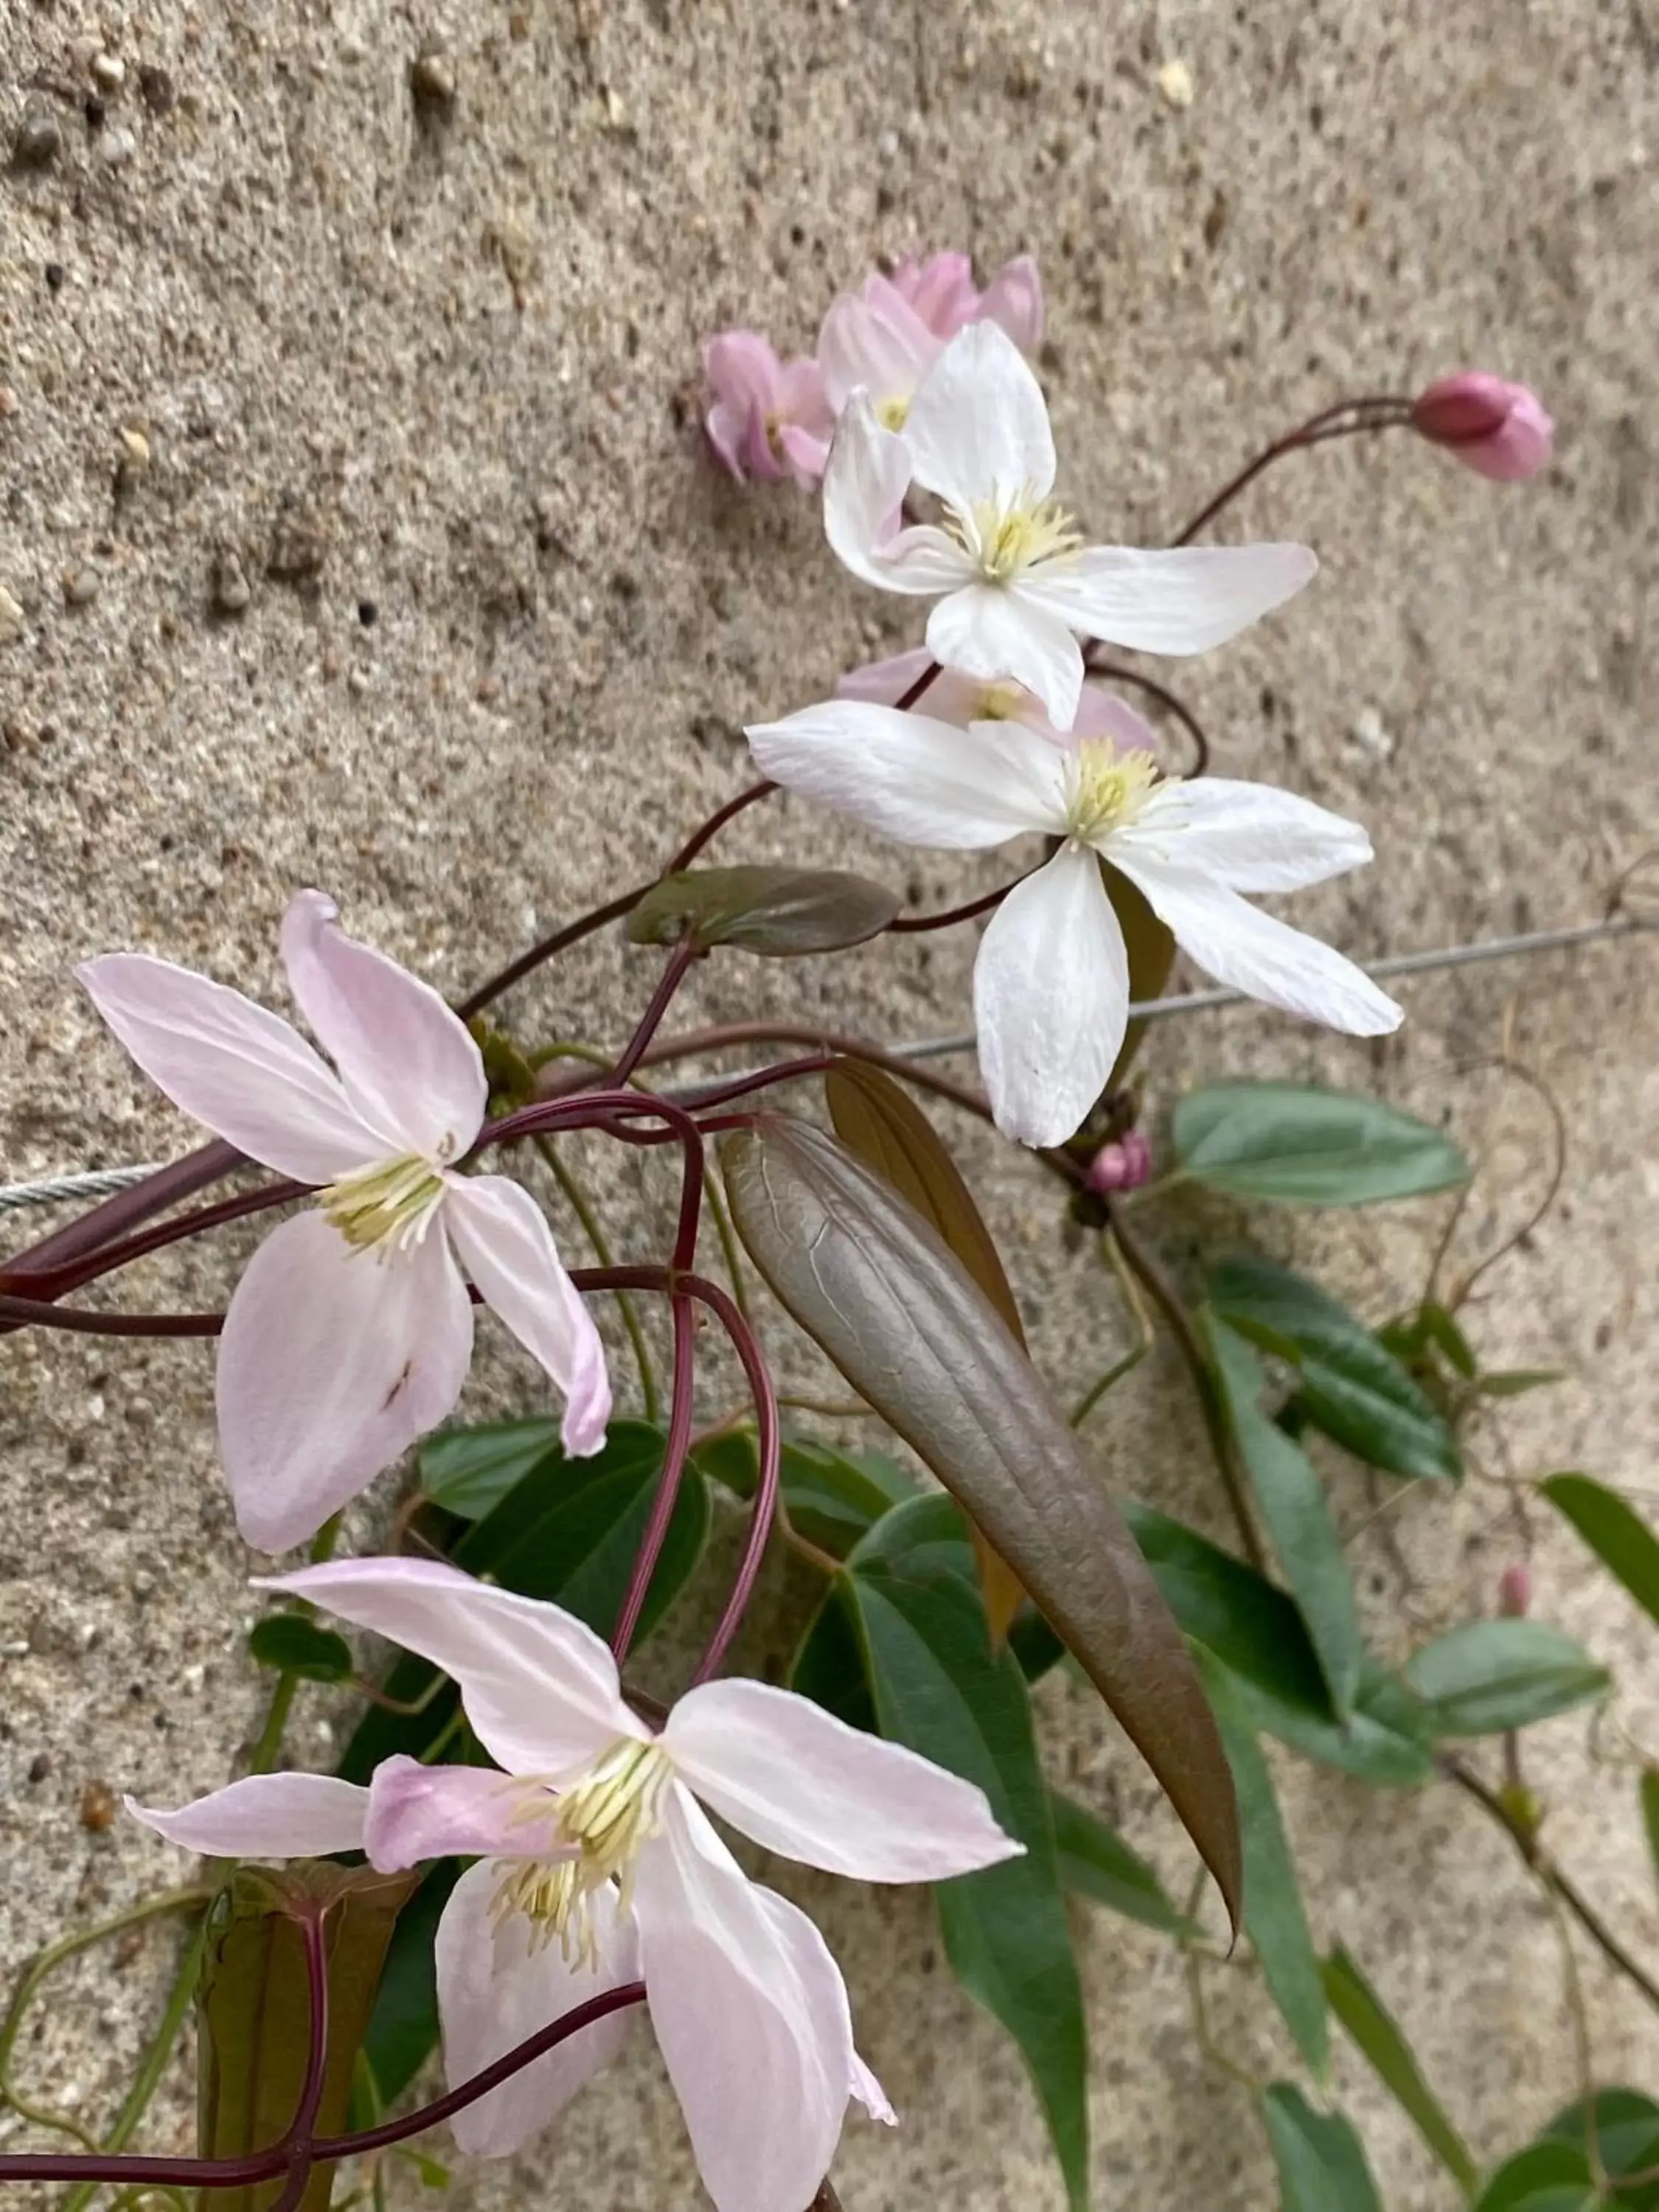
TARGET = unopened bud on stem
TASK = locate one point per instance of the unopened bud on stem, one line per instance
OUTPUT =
(1498, 428)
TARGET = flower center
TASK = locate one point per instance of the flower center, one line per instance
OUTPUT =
(1105, 788)
(606, 1816)
(998, 702)
(893, 414)
(389, 1204)
(1003, 538)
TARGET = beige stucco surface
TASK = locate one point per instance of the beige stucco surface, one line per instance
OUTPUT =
(446, 365)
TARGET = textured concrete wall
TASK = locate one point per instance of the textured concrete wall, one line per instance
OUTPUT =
(441, 366)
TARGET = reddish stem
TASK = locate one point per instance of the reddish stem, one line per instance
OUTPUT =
(675, 1452)
(747, 1346)
(907, 923)
(673, 975)
(717, 821)
(1387, 412)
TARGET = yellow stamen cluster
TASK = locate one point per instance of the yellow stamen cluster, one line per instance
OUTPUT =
(606, 1816)
(1003, 539)
(893, 414)
(1105, 788)
(389, 1204)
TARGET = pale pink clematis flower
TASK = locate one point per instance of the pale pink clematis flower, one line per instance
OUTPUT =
(885, 337)
(766, 419)
(1051, 982)
(351, 1332)
(598, 1866)
(1014, 578)
(953, 697)
(1498, 428)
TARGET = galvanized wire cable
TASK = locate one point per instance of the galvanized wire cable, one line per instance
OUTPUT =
(98, 1183)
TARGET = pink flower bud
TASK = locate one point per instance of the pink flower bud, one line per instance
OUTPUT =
(768, 419)
(1122, 1165)
(1499, 430)
(1514, 1593)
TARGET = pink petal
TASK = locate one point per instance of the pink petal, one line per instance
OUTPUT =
(941, 289)
(743, 369)
(540, 1689)
(803, 1784)
(266, 1816)
(751, 2014)
(875, 341)
(950, 696)
(807, 453)
(333, 1360)
(507, 1247)
(495, 1987)
(1101, 714)
(239, 1071)
(406, 1059)
(417, 1813)
(1013, 300)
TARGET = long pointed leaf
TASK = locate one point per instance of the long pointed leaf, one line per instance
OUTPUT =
(1368, 2022)
(894, 1309)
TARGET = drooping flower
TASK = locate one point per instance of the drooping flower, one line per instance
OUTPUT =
(1498, 428)
(951, 696)
(885, 337)
(351, 1332)
(766, 419)
(1014, 580)
(1051, 982)
(598, 1866)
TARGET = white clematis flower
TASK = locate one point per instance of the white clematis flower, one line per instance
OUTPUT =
(598, 1866)
(1051, 983)
(1014, 579)
(351, 1332)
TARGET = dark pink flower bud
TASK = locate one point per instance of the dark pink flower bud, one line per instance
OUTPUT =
(1499, 430)
(1122, 1165)
(1514, 1593)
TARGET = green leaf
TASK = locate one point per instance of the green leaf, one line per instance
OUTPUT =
(1626, 2140)
(1366, 2019)
(1273, 1917)
(1616, 1534)
(1515, 1382)
(1320, 2160)
(1293, 1505)
(1255, 1630)
(468, 1471)
(1352, 1385)
(1490, 1676)
(1096, 1862)
(939, 1690)
(1305, 1147)
(568, 1532)
(779, 912)
(253, 2028)
(835, 1498)
(295, 1643)
(1649, 1793)
(402, 2028)
(1546, 2177)
(894, 1309)
(1440, 1327)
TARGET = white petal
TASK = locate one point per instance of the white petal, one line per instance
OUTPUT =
(1182, 601)
(407, 1060)
(922, 781)
(978, 427)
(797, 1779)
(417, 1812)
(1260, 955)
(994, 630)
(507, 1247)
(865, 481)
(496, 1989)
(752, 2020)
(241, 1070)
(1246, 836)
(266, 1816)
(870, 2093)
(1051, 998)
(539, 1687)
(332, 1361)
